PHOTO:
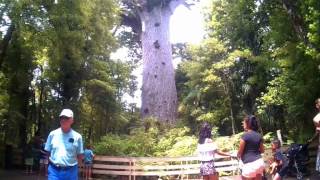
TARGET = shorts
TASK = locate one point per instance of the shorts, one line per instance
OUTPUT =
(87, 164)
(207, 168)
(252, 169)
(70, 173)
(28, 161)
(44, 161)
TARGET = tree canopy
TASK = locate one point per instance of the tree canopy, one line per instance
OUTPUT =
(260, 57)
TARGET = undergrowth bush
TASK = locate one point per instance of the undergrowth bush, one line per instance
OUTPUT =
(139, 143)
(176, 142)
(151, 142)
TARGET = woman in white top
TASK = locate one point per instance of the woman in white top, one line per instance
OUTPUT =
(316, 121)
(207, 149)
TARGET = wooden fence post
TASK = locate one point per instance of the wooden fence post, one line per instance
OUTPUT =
(279, 136)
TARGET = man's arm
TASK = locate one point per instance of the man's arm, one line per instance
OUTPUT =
(80, 160)
(80, 151)
(48, 147)
(80, 157)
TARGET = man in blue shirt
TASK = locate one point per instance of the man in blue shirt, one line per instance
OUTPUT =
(66, 149)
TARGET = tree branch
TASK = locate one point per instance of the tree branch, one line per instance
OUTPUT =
(132, 21)
(296, 19)
(187, 3)
(175, 3)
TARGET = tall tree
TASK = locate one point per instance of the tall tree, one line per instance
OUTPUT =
(46, 62)
(150, 20)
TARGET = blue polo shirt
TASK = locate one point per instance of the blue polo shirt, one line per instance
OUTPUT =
(64, 147)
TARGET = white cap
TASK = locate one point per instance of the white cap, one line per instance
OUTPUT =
(66, 112)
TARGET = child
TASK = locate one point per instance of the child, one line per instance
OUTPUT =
(279, 167)
(88, 158)
(207, 150)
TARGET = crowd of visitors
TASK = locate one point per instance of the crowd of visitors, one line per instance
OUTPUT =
(249, 153)
(60, 155)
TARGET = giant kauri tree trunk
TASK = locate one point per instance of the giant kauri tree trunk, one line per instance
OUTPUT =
(159, 95)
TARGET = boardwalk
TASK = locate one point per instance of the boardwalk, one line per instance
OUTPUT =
(20, 175)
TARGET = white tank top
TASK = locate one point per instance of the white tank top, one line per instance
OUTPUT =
(206, 151)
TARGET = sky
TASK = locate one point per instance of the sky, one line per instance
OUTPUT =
(186, 25)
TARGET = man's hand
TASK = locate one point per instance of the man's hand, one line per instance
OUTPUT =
(80, 159)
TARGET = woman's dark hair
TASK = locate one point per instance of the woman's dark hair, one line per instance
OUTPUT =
(252, 122)
(205, 132)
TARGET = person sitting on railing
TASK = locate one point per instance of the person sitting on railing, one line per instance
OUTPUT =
(207, 150)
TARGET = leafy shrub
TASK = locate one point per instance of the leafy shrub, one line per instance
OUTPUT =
(176, 143)
(137, 144)
(228, 143)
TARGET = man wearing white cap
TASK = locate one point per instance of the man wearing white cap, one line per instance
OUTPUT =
(65, 147)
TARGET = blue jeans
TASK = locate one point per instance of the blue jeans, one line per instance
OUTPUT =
(62, 174)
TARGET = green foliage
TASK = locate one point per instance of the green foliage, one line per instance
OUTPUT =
(269, 137)
(212, 94)
(228, 143)
(137, 144)
(176, 142)
(4, 100)
(57, 55)
(173, 143)
(259, 57)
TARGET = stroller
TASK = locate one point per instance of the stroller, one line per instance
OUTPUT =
(298, 156)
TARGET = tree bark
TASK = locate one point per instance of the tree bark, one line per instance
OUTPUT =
(39, 116)
(5, 43)
(227, 87)
(159, 95)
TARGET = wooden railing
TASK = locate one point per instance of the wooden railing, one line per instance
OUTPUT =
(181, 167)
(153, 166)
